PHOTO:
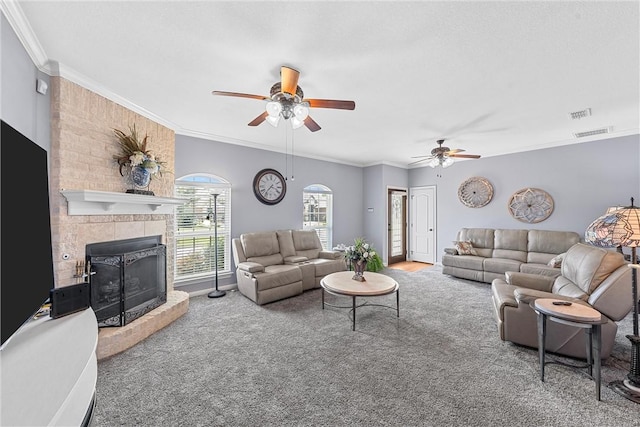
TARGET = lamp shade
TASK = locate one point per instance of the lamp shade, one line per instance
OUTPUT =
(619, 227)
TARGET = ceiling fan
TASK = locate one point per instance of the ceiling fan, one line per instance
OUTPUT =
(443, 156)
(287, 100)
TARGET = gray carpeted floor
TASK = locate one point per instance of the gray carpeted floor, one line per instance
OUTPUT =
(229, 362)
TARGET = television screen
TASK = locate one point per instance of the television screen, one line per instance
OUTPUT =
(26, 262)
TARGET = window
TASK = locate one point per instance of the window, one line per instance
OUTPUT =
(205, 215)
(317, 201)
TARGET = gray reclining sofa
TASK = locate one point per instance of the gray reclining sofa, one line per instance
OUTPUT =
(501, 250)
(273, 265)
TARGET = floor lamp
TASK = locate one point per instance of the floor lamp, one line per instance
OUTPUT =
(621, 227)
(216, 293)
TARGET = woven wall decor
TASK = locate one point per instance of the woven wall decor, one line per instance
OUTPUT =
(530, 205)
(475, 192)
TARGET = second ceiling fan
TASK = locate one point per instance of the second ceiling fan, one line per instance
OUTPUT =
(443, 156)
(286, 100)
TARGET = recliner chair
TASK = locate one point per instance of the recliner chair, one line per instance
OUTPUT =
(592, 276)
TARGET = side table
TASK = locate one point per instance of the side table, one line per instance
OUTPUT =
(577, 315)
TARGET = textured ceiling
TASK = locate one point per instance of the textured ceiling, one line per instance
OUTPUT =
(489, 77)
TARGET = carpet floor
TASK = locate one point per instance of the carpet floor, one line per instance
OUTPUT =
(229, 362)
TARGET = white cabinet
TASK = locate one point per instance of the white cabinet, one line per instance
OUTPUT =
(49, 371)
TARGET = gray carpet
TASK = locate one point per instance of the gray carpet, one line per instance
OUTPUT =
(229, 362)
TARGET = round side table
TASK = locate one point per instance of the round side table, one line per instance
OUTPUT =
(577, 315)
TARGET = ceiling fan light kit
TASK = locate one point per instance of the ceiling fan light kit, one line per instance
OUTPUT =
(286, 100)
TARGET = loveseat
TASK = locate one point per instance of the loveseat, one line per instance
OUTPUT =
(592, 276)
(485, 254)
(273, 265)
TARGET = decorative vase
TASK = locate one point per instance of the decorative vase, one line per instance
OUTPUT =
(359, 267)
(140, 178)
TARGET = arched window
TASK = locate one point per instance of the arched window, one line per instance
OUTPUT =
(317, 202)
(208, 209)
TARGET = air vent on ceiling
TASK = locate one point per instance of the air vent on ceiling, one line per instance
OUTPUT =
(580, 114)
(593, 132)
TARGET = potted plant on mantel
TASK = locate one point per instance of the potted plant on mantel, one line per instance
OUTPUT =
(138, 164)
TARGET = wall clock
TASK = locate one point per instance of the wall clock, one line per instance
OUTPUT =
(269, 186)
(475, 192)
(530, 205)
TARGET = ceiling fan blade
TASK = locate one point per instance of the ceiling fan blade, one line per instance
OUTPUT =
(261, 118)
(421, 157)
(455, 150)
(418, 161)
(239, 95)
(465, 156)
(331, 103)
(289, 80)
(311, 124)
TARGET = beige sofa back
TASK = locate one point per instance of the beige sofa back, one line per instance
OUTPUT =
(544, 245)
(262, 248)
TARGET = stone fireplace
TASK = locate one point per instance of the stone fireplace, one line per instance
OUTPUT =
(83, 173)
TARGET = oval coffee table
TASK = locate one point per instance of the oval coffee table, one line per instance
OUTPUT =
(374, 285)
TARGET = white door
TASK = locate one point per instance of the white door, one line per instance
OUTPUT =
(422, 207)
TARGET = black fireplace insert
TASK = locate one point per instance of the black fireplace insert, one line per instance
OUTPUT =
(128, 278)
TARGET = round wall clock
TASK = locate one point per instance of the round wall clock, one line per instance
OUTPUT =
(269, 186)
(530, 205)
(475, 192)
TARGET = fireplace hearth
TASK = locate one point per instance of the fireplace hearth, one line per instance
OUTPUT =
(127, 278)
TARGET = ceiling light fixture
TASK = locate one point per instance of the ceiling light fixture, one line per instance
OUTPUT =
(287, 106)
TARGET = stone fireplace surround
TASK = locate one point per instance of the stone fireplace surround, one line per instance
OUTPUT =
(81, 161)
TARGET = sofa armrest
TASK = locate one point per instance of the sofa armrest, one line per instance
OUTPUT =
(295, 259)
(527, 296)
(250, 267)
(531, 281)
(451, 251)
(330, 254)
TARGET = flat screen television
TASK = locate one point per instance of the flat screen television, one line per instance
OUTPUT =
(26, 260)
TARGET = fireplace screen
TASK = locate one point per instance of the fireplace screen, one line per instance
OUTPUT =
(127, 278)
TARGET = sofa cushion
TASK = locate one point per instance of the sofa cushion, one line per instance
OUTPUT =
(463, 261)
(542, 269)
(267, 260)
(259, 244)
(587, 266)
(285, 240)
(500, 265)
(305, 239)
(556, 261)
(306, 243)
(465, 248)
(510, 244)
(480, 238)
(278, 275)
(565, 287)
(544, 245)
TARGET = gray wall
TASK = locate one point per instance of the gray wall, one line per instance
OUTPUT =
(20, 105)
(583, 180)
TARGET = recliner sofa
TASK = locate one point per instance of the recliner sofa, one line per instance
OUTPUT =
(501, 250)
(273, 265)
(590, 275)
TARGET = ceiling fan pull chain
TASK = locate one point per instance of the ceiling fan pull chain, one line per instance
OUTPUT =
(293, 156)
(286, 153)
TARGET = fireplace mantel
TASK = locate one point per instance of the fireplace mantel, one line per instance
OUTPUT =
(90, 202)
